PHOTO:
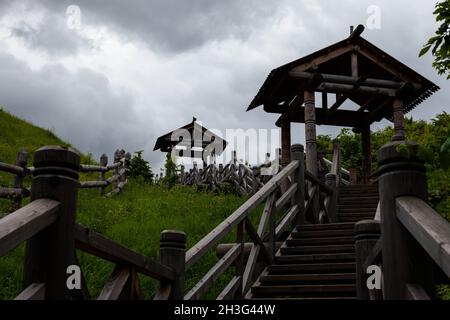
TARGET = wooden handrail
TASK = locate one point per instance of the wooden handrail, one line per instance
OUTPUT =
(212, 238)
(27, 221)
(374, 256)
(416, 292)
(11, 168)
(100, 246)
(430, 230)
(310, 177)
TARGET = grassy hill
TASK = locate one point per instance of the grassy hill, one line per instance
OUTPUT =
(133, 218)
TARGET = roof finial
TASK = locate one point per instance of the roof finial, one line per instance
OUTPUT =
(351, 30)
(194, 119)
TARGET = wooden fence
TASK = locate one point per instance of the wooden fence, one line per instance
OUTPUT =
(48, 225)
(235, 174)
(413, 250)
(120, 169)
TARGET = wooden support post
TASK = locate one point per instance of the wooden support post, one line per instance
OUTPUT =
(50, 252)
(240, 238)
(330, 180)
(311, 146)
(367, 233)
(285, 144)
(366, 154)
(353, 175)
(403, 260)
(116, 171)
(103, 163)
(21, 161)
(297, 154)
(399, 131)
(172, 253)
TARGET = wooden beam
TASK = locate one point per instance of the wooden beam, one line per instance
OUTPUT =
(324, 100)
(324, 58)
(347, 88)
(340, 79)
(35, 291)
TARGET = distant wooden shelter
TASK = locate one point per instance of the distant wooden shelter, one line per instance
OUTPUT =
(194, 136)
(353, 70)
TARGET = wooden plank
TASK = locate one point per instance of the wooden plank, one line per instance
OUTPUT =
(11, 168)
(116, 284)
(100, 246)
(256, 239)
(26, 222)
(213, 274)
(114, 165)
(228, 292)
(286, 196)
(93, 184)
(254, 252)
(212, 238)
(11, 193)
(35, 291)
(430, 229)
(416, 292)
(288, 217)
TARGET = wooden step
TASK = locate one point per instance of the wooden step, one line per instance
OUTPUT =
(327, 226)
(251, 297)
(310, 278)
(356, 209)
(355, 219)
(315, 241)
(356, 214)
(305, 289)
(317, 249)
(312, 268)
(319, 257)
(321, 233)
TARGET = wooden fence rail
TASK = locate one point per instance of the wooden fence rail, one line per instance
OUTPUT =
(48, 225)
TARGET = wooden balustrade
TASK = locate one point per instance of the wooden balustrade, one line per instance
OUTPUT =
(17, 192)
(48, 225)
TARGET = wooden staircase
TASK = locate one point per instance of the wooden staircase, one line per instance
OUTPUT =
(317, 261)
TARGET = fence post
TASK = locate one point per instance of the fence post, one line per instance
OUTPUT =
(50, 252)
(403, 259)
(172, 253)
(116, 170)
(367, 233)
(330, 180)
(21, 161)
(103, 163)
(297, 154)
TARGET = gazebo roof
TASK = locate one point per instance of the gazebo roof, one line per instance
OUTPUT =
(380, 78)
(165, 142)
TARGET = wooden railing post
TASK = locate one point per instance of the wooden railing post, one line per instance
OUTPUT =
(403, 261)
(297, 154)
(21, 161)
(50, 252)
(172, 253)
(367, 233)
(103, 163)
(330, 180)
(116, 170)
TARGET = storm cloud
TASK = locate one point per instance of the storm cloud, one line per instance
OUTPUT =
(138, 69)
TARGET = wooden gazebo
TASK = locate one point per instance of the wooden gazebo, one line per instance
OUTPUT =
(199, 139)
(354, 70)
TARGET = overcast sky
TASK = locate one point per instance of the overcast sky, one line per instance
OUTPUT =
(137, 69)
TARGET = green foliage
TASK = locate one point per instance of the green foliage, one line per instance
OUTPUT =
(171, 177)
(443, 292)
(135, 218)
(440, 42)
(140, 168)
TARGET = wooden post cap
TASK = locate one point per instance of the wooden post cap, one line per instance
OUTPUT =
(390, 159)
(330, 177)
(297, 148)
(367, 229)
(173, 238)
(56, 160)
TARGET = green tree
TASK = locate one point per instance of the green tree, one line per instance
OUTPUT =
(440, 42)
(140, 168)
